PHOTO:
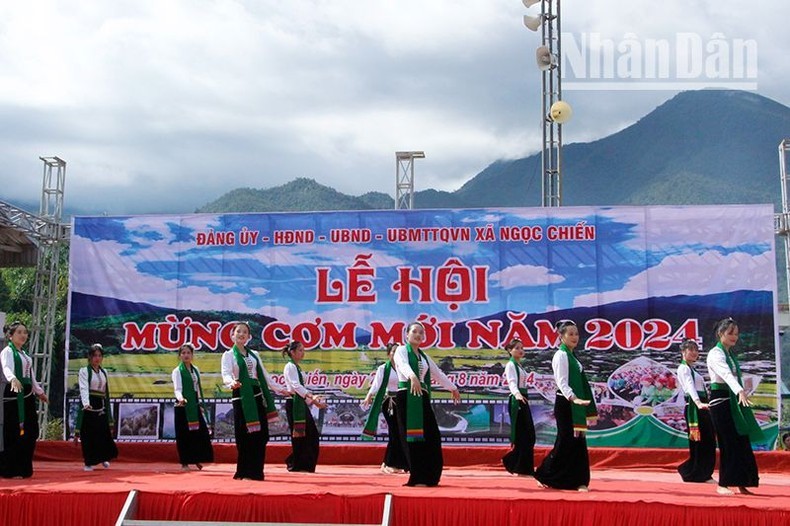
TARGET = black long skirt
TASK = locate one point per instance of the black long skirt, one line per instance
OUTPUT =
(96, 436)
(304, 454)
(394, 456)
(567, 466)
(194, 447)
(424, 458)
(16, 460)
(250, 447)
(737, 465)
(702, 453)
(521, 457)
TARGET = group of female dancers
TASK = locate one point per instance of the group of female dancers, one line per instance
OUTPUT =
(402, 391)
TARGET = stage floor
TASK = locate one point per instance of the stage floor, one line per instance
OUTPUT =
(60, 492)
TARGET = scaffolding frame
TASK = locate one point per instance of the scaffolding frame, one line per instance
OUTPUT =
(782, 220)
(46, 232)
(404, 179)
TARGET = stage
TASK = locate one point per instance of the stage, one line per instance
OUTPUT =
(629, 486)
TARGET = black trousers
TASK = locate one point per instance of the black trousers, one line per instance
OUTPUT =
(521, 457)
(194, 447)
(424, 458)
(737, 465)
(567, 466)
(394, 456)
(251, 447)
(702, 454)
(96, 436)
(16, 460)
(304, 454)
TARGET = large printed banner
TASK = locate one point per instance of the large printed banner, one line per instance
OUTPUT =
(637, 281)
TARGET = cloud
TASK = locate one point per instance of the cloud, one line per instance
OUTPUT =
(164, 107)
(704, 273)
(525, 276)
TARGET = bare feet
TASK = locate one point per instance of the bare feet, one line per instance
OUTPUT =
(387, 470)
(540, 484)
(724, 490)
(199, 466)
(583, 489)
(710, 481)
(743, 491)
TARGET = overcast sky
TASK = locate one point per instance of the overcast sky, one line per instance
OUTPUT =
(164, 105)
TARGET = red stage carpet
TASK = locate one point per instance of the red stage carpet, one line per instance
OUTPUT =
(629, 486)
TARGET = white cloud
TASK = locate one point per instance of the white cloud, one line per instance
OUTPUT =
(693, 274)
(164, 106)
(525, 276)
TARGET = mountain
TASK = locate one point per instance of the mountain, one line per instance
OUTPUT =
(301, 194)
(700, 147)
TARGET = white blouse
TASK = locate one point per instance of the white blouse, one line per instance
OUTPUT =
(515, 381)
(559, 364)
(720, 372)
(291, 376)
(178, 386)
(98, 383)
(392, 383)
(7, 363)
(405, 371)
(690, 383)
(230, 369)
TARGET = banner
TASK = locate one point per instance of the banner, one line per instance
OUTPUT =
(636, 280)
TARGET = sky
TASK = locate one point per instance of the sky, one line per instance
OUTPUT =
(163, 106)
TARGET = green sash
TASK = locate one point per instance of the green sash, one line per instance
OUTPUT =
(414, 420)
(20, 396)
(105, 394)
(299, 408)
(192, 398)
(248, 406)
(514, 404)
(581, 388)
(745, 423)
(692, 413)
(372, 423)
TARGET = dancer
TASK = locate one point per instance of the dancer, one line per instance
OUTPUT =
(730, 409)
(304, 433)
(94, 426)
(520, 459)
(20, 419)
(253, 404)
(192, 434)
(382, 395)
(416, 420)
(702, 441)
(567, 466)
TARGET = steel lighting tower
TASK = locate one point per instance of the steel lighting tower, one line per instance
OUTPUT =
(554, 111)
(404, 179)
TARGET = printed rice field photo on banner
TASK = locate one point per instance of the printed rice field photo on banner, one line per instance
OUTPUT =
(636, 280)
